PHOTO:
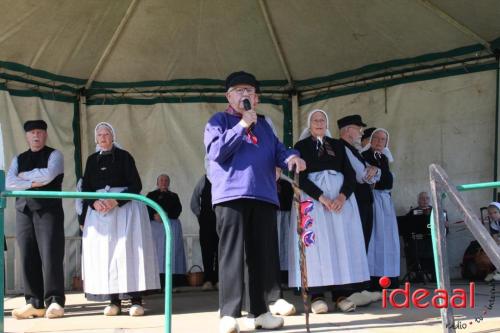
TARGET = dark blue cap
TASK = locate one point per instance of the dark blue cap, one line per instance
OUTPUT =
(354, 119)
(35, 124)
(367, 133)
(242, 77)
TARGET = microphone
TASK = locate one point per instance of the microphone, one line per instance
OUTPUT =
(248, 106)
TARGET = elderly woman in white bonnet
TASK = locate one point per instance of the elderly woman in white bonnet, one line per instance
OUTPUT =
(171, 203)
(119, 261)
(383, 250)
(337, 259)
(493, 225)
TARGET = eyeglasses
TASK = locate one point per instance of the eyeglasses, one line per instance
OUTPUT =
(241, 91)
(357, 128)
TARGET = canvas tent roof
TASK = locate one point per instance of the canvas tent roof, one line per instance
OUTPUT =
(296, 44)
(157, 67)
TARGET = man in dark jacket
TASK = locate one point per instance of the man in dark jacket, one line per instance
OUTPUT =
(201, 205)
(351, 130)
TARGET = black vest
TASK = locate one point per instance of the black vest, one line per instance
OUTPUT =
(28, 161)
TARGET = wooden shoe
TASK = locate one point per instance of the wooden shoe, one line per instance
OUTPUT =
(136, 310)
(346, 305)
(28, 311)
(282, 307)
(268, 321)
(54, 311)
(374, 295)
(319, 306)
(228, 324)
(360, 299)
(112, 310)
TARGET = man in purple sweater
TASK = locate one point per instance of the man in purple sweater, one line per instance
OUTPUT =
(243, 152)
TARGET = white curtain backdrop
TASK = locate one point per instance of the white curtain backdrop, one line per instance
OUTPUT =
(164, 138)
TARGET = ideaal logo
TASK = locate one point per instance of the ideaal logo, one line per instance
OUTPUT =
(463, 324)
(440, 299)
(459, 298)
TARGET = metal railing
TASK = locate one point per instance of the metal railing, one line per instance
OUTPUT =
(72, 262)
(90, 195)
(441, 186)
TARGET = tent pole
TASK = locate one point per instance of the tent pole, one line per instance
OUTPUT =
(84, 148)
(111, 43)
(276, 44)
(77, 139)
(497, 120)
(3, 204)
(456, 24)
(295, 118)
(287, 122)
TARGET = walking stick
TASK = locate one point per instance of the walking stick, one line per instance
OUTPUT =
(300, 231)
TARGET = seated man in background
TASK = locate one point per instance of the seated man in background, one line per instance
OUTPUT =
(423, 206)
(422, 214)
(416, 233)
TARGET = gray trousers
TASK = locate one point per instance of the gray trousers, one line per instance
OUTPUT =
(40, 236)
(247, 229)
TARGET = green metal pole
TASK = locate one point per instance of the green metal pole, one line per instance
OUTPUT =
(168, 271)
(2, 264)
(478, 186)
(96, 195)
(465, 187)
(435, 249)
(497, 110)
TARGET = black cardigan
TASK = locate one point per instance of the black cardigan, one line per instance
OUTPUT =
(115, 169)
(168, 200)
(334, 158)
(386, 179)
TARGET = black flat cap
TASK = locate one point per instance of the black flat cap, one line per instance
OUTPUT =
(354, 119)
(367, 133)
(242, 77)
(35, 124)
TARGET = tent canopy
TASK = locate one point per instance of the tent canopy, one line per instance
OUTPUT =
(193, 44)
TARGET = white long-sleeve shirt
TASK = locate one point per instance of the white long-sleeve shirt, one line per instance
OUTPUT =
(24, 180)
(361, 169)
